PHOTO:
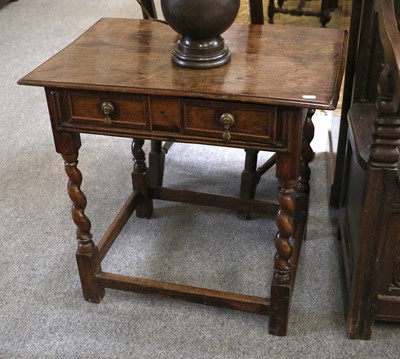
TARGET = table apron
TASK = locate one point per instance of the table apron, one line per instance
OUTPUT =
(174, 119)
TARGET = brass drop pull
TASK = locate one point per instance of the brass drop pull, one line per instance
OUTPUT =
(108, 109)
(227, 120)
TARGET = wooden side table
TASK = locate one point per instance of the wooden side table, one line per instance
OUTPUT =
(117, 79)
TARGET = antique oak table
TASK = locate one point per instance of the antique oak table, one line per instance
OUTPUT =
(117, 79)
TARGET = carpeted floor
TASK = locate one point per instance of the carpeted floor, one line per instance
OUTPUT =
(42, 312)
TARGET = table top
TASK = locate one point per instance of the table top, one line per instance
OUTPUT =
(271, 64)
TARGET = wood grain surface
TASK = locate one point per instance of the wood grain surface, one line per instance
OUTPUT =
(280, 65)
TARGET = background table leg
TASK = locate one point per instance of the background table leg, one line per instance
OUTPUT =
(303, 183)
(145, 207)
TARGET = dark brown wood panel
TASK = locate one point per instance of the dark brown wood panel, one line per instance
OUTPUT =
(361, 119)
(370, 194)
(252, 122)
(165, 113)
(86, 108)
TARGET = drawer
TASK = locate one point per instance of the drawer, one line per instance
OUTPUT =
(91, 108)
(250, 122)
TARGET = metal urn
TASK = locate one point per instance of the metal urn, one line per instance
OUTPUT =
(201, 23)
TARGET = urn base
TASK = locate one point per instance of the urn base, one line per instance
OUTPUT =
(201, 53)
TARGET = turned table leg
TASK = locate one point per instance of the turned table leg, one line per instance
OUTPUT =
(282, 280)
(303, 183)
(307, 154)
(287, 172)
(87, 253)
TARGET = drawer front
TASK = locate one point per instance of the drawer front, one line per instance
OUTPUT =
(175, 119)
(107, 110)
(250, 122)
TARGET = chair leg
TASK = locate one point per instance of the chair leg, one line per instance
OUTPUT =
(325, 12)
(256, 12)
(333, 4)
(148, 9)
(271, 11)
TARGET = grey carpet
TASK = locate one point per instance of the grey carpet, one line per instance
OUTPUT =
(42, 312)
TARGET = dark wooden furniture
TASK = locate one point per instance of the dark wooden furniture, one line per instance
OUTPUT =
(324, 13)
(370, 201)
(362, 69)
(135, 91)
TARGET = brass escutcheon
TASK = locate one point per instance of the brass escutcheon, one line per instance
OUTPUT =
(108, 109)
(227, 120)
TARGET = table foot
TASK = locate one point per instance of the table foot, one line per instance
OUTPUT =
(279, 310)
(88, 267)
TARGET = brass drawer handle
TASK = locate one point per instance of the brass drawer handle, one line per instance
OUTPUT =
(108, 109)
(227, 120)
